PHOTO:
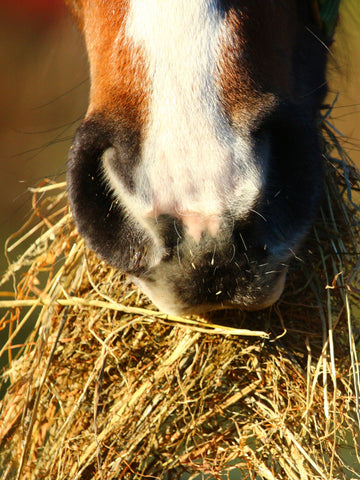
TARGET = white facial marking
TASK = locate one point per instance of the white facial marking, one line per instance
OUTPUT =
(192, 163)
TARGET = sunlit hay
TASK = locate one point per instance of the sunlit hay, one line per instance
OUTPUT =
(106, 387)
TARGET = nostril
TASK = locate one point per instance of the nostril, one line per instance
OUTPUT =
(84, 163)
(90, 141)
(85, 186)
(99, 216)
(117, 171)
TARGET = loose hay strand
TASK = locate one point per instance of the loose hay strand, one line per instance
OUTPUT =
(77, 301)
(106, 387)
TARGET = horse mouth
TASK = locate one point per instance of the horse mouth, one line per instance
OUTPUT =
(176, 294)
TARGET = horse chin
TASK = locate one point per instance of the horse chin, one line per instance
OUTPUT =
(169, 302)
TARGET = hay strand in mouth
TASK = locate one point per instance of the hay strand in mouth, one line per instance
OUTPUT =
(103, 386)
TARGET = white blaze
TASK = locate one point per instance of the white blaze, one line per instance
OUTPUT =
(192, 163)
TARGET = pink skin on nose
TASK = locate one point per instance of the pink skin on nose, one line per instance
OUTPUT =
(196, 223)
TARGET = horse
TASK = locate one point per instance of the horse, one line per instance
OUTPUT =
(197, 169)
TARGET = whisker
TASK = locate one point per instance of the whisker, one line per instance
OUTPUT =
(320, 41)
(259, 214)
(176, 230)
(243, 241)
(213, 256)
(54, 100)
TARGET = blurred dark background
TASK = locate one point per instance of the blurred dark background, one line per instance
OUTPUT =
(44, 89)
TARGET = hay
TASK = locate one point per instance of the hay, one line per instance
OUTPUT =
(107, 387)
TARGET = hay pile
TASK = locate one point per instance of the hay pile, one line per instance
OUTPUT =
(105, 387)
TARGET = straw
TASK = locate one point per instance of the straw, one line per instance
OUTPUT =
(104, 386)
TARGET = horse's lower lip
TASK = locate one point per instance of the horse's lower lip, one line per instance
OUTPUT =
(167, 302)
(274, 295)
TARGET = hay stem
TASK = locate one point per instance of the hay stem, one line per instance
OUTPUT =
(120, 390)
(34, 411)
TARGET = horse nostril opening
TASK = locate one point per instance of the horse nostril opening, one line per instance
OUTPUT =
(117, 172)
(84, 163)
(98, 213)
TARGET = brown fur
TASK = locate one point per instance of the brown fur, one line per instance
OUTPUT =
(252, 71)
(117, 70)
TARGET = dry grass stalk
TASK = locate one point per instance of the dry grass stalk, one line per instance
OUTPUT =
(106, 387)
